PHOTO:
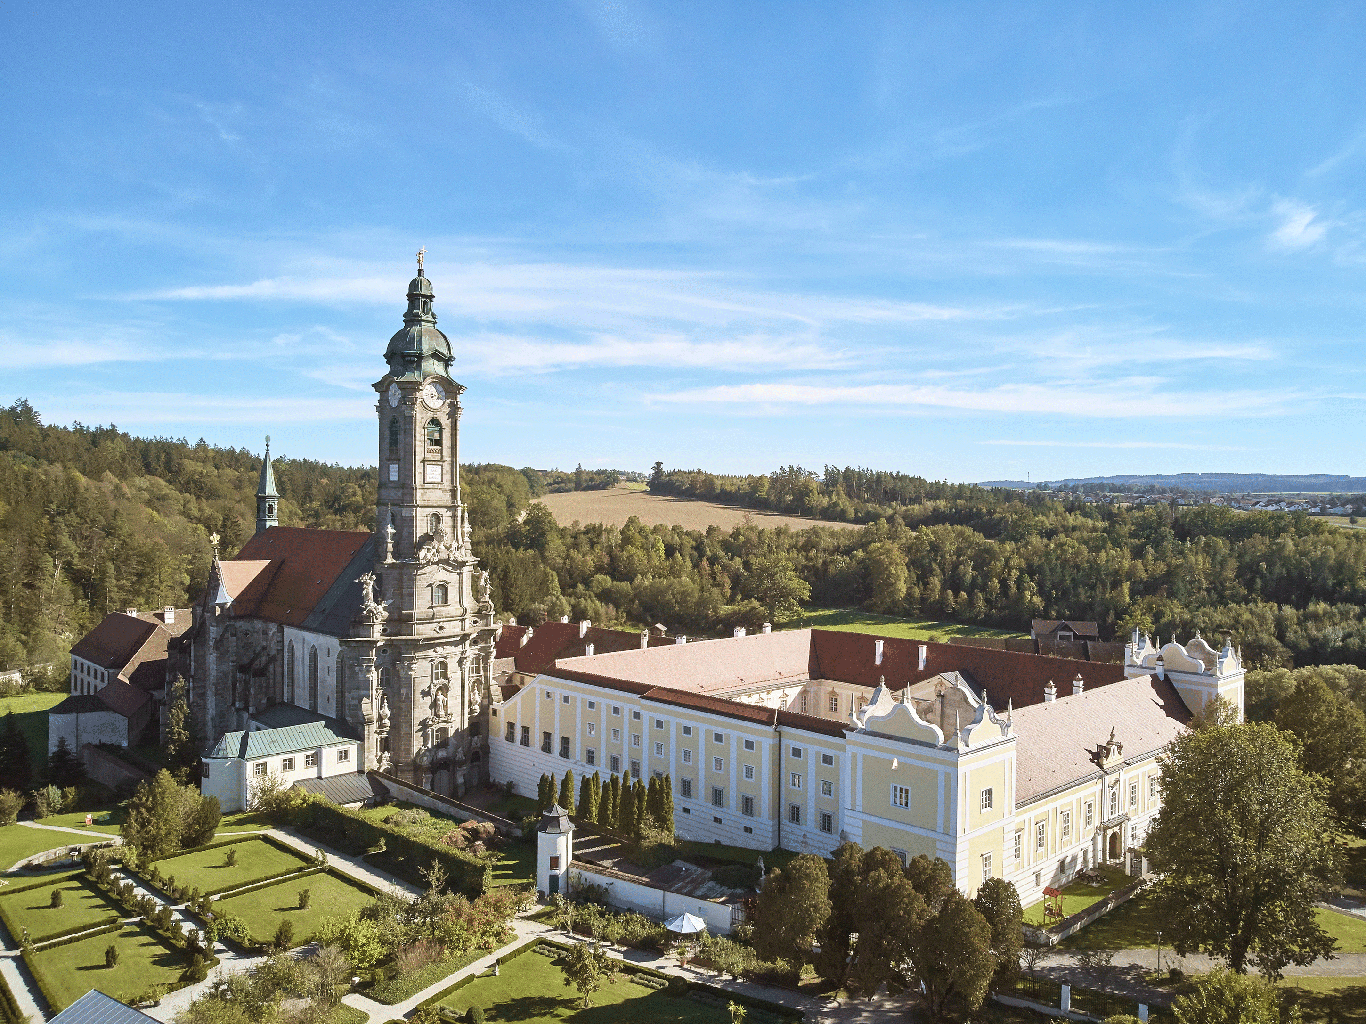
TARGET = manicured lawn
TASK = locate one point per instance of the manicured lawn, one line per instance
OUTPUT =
(859, 621)
(30, 715)
(244, 821)
(1079, 895)
(208, 870)
(735, 854)
(530, 990)
(264, 909)
(18, 843)
(144, 960)
(516, 860)
(106, 822)
(1328, 1000)
(82, 907)
(1348, 930)
(516, 863)
(1354, 866)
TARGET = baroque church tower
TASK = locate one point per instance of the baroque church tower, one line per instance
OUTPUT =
(430, 621)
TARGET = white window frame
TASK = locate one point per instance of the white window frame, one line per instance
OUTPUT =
(796, 780)
(901, 797)
(1040, 835)
(827, 788)
(986, 799)
(659, 750)
(986, 866)
(718, 764)
(311, 760)
(687, 756)
(287, 765)
(828, 760)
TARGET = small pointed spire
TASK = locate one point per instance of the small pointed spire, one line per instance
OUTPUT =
(266, 487)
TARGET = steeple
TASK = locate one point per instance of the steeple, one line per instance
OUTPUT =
(267, 497)
(419, 350)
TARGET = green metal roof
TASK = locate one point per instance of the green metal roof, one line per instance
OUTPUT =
(291, 739)
(266, 488)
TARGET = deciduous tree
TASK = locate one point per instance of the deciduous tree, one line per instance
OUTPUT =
(999, 904)
(791, 910)
(952, 957)
(586, 967)
(1225, 997)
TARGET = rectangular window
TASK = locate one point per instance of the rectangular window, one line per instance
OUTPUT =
(827, 788)
(659, 750)
(287, 765)
(616, 735)
(794, 814)
(717, 737)
(796, 780)
(393, 472)
(659, 723)
(635, 739)
(827, 759)
(344, 754)
(716, 820)
(718, 796)
(591, 756)
(718, 764)
(1133, 794)
(311, 760)
(592, 705)
(1019, 846)
(986, 866)
(564, 746)
(687, 756)
(834, 703)
(613, 764)
(685, 788)
(902, 855)
(797, 752)
(549, 695)
(1152, 787)
(901, 796)
(986, 799)
(1040, 836)
(827, 822)
(564, 699)
(554, 863)
(687, 730)
(206, 769)
(749, 771)
(749, 744)
(616, 710)
(259, 768)
(805, 709)
(546, 740)
(592, 729)
(1090, 813)
(511, 734)
(526, 735)
(635, 768)
(635, 716)
(1065, 825)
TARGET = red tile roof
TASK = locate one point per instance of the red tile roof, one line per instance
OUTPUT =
(553, 641)
(113, 643)
(1086, 630)
(282, 573)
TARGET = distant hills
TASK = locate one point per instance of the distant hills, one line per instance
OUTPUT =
(1234, 483)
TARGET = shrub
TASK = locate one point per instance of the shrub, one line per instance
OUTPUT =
(197, 971)
(476, 1015)
(304, 897)
(231, 859)
(11, 803)
(56, 900)
(284, 935)
(416, 955)
(111, 955)
(233, 928)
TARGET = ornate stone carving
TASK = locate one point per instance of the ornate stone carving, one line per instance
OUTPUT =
(438, 548)
(370, 609)
(441, 706)
(485, 592)
(382, 722)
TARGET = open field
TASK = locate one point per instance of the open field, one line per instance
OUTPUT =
(530, 990)
(70, 971)
(858, 621)
(30, 715)
(208, 870)
(264, 909)
(82, 907)
(618, 504)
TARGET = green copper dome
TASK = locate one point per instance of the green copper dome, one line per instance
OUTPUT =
(419, 349)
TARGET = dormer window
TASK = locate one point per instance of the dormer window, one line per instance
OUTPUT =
(433, 435)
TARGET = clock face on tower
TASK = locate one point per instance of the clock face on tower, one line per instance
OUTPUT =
(394, 395)
(432, 394)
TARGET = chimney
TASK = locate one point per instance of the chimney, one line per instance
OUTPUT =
(168, 615)
(1050, 692)
(584, 627)
(131, 611)
(1078, 685)
(877, 652)
(525, 637)
(924, 656)
(644, 639)
(564, 618)
(768, 627)
(588, 650)
(680, 639)
(738, 631)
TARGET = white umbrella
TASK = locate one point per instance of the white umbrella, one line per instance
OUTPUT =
(686, 924)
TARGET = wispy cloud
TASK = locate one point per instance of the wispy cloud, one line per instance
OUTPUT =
(151, 408)
(1299, 226)
(19, 353)
(510, 117)
(1176, 445)
(1135, 398)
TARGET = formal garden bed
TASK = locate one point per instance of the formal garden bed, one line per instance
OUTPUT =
(146, 967)
(222, 867)
(263, 909)
(30, 909)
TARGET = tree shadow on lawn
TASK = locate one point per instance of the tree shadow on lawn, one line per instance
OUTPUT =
(531, 1008)
(1343, 1006)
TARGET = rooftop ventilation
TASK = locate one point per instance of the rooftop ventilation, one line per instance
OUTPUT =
(768, 627)
(584, 627)
(1050, 692)
(877, 652)
(924, 656)
(739, 631)
(168, 615)
(1078, 685)
(588, 650)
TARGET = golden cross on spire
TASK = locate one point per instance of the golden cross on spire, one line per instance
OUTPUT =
(420, 253)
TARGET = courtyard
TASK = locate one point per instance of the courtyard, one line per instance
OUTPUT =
(208, 869)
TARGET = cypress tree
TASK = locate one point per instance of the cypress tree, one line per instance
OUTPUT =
(611, 793)
(588, 807)
(567, 792)
(652, 808)
(642, 812)
(16, 770)
(543, 798)
(626, 810)
(597, 796)
(667, 803)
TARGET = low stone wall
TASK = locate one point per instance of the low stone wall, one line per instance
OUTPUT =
(633, 894)
(1054, 934)
(430, 801)
(109, 770)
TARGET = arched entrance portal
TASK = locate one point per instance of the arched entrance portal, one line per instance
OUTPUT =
(1114, 845)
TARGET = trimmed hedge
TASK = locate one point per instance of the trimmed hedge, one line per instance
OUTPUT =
(9, 1006)
(58, 879)
(433, 1000)
(233, 840)
(265, 883)
(404, 854)
(79, 876)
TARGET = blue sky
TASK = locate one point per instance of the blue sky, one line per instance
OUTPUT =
(966, 241)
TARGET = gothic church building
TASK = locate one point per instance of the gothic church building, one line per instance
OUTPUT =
(321, 654)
